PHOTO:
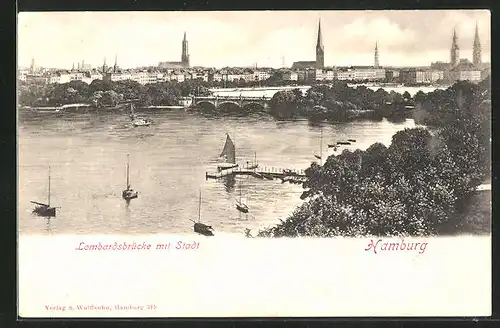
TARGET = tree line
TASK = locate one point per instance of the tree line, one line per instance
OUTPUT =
(339, 102)
(419, 185)
(109, 93)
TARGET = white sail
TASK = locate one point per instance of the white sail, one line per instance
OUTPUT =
(228, 153)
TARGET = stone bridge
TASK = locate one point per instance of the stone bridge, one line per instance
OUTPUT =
(239, 101)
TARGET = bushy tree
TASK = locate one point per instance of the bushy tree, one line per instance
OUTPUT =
(416, 186)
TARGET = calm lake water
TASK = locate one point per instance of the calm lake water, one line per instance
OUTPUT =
(168, 160)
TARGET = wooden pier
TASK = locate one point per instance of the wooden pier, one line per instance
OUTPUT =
(260, 173)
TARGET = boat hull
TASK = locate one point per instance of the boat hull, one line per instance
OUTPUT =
(242, 208)
(141, 123)
(203, 229)
(129, 194)
(45, 211)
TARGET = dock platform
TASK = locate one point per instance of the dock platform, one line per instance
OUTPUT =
(260, 173)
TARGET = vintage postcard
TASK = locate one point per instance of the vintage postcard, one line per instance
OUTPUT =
(254, 164)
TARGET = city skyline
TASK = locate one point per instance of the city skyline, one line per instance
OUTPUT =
(219, 39)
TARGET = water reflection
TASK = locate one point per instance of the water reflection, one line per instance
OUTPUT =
(229, 183)
(48, 226)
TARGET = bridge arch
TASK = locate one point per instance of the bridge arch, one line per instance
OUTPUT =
(226, 102)
(206, 104)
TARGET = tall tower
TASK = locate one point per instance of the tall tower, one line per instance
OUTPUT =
(455, 51)
(476, 52)
(104, 66)
(115, 67)
(320, 50)
(185, 53)
(376, 63)
(32, 67)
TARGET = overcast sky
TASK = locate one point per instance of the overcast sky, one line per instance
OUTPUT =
(218, 39)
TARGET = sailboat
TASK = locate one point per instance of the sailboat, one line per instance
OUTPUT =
(136, 120)
(240, 204)
(129, 193)
(42, 209)
(199, 227)
(228, 154)
(320, 156)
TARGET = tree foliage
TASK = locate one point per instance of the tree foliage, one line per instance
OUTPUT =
(109, 93)
(339, 102)
(416, 186)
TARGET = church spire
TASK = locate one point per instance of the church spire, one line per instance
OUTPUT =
(32, 67)
(376, 63)
(319, 43)
(320, 50)
(185, 52)
(476, 52)
(455, 50)
(115, 67)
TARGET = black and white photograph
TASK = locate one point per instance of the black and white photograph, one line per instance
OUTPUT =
(222, 139)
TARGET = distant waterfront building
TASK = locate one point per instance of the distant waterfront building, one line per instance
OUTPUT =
(177, 76)
(329, 74)
(360, 73)
(36, 79)
(344, 74)
(319, 63)
(376, 63)
(476, 52)
(455, 50)
(76, 76)
(59, 77)
(471, 75)
(392, 75)
(216, 77)
(261, 75)
(184, 63)
(420, 76)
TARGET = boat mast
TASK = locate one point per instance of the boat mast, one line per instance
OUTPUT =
(321, 148)
(199, 208)
(48, 201)
(128, 179)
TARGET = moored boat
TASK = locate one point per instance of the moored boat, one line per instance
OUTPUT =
(44, 210)
(129, 193)
(136, 120)
(241, 205)
(320, 156)
(201, 228)
(228, 155)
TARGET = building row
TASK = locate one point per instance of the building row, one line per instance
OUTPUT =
(145, 76)
(424, 75)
